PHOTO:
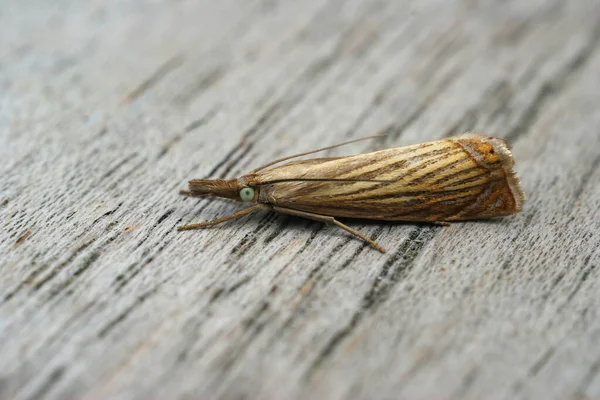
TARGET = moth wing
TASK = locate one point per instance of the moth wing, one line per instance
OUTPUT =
(465, 177)
(501, 192)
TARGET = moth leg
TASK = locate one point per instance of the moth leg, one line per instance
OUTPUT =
(237, 214)
(441, 223)
(327, 218)
(185, 192)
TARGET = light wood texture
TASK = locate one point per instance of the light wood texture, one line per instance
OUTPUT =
(107, 108)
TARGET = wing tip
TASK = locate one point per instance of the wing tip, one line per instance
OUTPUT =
(507, 161)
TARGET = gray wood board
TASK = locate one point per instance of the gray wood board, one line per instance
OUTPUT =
(108, 108)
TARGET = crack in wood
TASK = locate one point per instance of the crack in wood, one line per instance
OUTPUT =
(317, 228)
(117, 166)
(57, 338)
(159, 221)
(53, 378)
(202, 84)
(588, 378)
(90, 259)
(126, 175)
(106, 214)
(466, 384)
(162, 71)
(282, 226)
(38, 285)
(583, 183)
(110, 326)
(535, 368)
(237, 285)
(427, 356)
(586, 274)
(252, 327)
(251, 238)
(559, 277)
(189, 128)
(166, 215)
(311, 280)
(516, 30)
(122, 279)
(192, 337)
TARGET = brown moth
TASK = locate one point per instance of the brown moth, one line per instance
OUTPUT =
(460, 178)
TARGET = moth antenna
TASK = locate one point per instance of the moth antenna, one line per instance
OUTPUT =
(314, 151)
(327, 180)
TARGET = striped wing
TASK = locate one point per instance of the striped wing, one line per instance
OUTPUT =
(466, 177)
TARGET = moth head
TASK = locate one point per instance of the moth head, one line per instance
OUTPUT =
(236, 189)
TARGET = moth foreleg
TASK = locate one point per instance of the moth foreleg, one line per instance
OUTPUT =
(440, 223)
(327, 218)
(237, 214)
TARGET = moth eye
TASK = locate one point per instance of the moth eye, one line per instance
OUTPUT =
(247, 194)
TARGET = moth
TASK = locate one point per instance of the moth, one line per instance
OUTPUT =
(465, 177)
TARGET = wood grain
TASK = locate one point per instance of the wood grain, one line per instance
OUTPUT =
(108, 108)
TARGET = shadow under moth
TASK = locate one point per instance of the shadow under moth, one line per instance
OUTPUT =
(465, 177)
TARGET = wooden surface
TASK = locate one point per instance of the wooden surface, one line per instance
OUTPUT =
(107, 108)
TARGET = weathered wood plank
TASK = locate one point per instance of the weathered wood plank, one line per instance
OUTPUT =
(107, 108)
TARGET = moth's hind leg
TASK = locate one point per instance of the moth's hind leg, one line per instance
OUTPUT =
(440, 223)
(327, 218)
